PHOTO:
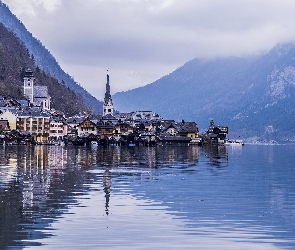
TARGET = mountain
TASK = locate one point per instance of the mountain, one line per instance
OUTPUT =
(43, 58)
(253, 96)
(14, 59)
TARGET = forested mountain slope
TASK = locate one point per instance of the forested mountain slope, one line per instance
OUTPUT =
(43, 58)
(14, 59)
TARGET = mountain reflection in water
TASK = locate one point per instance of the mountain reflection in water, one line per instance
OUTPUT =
(207, 188)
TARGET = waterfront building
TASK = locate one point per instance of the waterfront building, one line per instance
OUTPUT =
(58, 128)
(216, 134)
(87, 127)
(35, 122)
(188, 129)
(105, 128)
(122, 128)
(171, 129)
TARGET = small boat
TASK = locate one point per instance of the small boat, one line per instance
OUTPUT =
(234, 143)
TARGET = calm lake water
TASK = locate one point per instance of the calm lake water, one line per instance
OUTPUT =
(181, 197)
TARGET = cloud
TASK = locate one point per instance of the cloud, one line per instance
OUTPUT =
(142, 40)
(30, 8)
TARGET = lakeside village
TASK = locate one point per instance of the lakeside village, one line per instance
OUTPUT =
(32, 121)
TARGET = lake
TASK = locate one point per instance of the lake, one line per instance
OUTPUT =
(162, 197)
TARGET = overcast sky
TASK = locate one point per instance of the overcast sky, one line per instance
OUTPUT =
(142, 40)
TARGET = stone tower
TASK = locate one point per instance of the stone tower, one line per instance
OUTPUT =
(29, 85)
(108, 107)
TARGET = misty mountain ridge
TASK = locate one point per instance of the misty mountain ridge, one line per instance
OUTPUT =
(254, 96)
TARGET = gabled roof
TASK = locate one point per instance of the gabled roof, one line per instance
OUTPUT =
(171, 125)
(41, 92)
(87, 119)
(187, 127)
(123, 124)
(76, 119)
(57, 119)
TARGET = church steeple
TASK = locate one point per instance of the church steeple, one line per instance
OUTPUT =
(108, 103)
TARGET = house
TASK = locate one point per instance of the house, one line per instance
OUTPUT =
(122, 128)
(188, 129)
(34, 121)
(105, 128)
(171, 129)
(216, 134)
(58, 128)
(87, 126)
(185, 129)
(73, 123)
(10, 115)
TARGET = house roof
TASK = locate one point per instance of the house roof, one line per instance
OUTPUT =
(187, 127)
(41, 92)
(76, 119)
(57, 119)
(32, 113)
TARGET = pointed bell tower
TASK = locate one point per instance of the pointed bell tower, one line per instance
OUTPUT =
(108, 107)
(29, 85)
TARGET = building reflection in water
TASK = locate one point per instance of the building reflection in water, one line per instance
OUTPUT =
(107, 183)
(217, 155)
(40, 182)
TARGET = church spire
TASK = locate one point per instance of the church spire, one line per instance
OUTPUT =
(108, 103)
(108, 89)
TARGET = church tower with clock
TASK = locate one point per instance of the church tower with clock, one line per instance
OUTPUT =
(29, 85)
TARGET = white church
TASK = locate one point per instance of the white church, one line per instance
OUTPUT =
(37, 95)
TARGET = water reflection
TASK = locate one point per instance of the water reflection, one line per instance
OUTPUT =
(39, 184)
(107, 183)
(205, 191)
(217, 155)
